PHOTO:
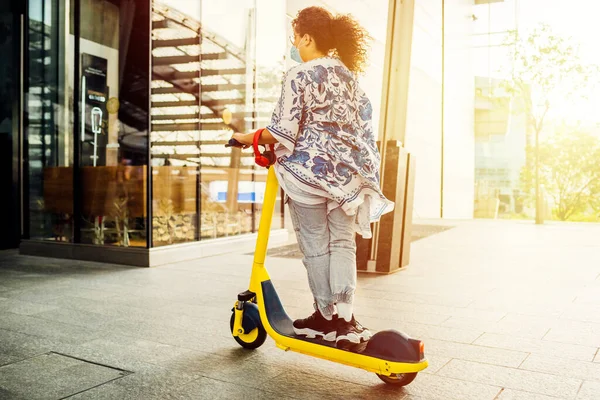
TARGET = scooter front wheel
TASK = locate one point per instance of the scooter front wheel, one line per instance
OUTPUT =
(398, 379)
(251, 340)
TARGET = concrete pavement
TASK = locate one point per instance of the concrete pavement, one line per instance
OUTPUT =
(508, 310)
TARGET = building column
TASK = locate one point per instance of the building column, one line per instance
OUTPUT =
(388, 250)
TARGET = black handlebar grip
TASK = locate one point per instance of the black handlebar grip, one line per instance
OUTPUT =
(233, 143)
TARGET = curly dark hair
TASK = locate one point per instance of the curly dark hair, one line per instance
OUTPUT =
(339, 35)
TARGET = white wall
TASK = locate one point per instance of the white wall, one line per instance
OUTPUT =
(459, 108)
(423, 137)
(424, 116)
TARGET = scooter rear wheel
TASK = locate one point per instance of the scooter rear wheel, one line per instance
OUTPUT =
(398, 379)
(251, 340)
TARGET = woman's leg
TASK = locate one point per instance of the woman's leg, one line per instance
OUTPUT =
(310, 224)
(342, 261)
(342, 276)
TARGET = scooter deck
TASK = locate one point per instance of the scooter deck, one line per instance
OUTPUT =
(283, 325)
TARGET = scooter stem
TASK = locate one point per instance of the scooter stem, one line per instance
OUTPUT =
(264, 228)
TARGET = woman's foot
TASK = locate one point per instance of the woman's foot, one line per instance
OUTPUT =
(316, 326)
(350, 333)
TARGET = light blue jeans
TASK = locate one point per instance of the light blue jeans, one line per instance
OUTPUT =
(329, 248)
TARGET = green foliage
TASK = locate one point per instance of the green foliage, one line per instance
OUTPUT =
(546, 70)
(570, 174)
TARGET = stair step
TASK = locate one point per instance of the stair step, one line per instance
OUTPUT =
(185, 59)
(175, 42)
(204, 89)
(190, 143)
(188, 127)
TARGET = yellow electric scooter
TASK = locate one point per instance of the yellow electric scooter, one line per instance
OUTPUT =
(392, 355)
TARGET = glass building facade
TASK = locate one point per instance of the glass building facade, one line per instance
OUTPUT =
(114, 115)
(123, 111)
(126, 106)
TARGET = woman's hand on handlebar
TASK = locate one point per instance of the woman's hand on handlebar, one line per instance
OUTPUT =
(244, 138)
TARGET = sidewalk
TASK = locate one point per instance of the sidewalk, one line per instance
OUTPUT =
(508, 310)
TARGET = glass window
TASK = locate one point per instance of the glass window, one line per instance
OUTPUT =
(105, 145)
(49, 92)
(114, 108)
(216, 70)
(177, 119)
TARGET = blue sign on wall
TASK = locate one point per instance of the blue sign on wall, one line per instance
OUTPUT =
(247, 197)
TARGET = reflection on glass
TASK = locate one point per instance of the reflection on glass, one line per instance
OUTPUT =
(177, 118)
(499, 155)
(206, 84)
(48, 105)
(113, 133)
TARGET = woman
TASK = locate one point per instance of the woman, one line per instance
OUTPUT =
(327, 164)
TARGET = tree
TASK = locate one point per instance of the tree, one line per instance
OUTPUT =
(546, 70)
(569, 171)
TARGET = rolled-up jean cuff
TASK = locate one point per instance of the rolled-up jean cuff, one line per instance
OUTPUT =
(344, 297)
(326, 311)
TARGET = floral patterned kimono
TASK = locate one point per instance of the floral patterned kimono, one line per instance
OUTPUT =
(326, 145)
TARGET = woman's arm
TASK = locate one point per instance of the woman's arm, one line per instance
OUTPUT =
(247, 138)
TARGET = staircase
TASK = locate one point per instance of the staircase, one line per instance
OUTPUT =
(202, 91)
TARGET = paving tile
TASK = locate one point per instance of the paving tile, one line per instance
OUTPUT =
(23, 307)
(227, 369)
(53, 376)
(92, 294)
(103, 307)
(136, 348)
(399, 315)
(102, 357)
(47, 329)
(138, 301)
(21, 345)
(588, 296)
(468, 352)
(206, 388)
(435, 387)
(111, 391)
(544, 347)
(520, 329)
(583, 312)
(423, 331)
(155, 380)
(586, 334)
(559, 366)
(408, 306)
(174, 336)
(589, 391)
(75, 317)
(6, 359)
(295, 362)
(308, 386)
(512, 378)
(436, 362)
(37, 295)
(8, 395)
(453, 300)
(511, 394)
(219, 313)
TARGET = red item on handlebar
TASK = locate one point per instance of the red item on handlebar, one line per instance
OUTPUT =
(267, 157)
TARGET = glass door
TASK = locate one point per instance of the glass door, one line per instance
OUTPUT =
(113, 56)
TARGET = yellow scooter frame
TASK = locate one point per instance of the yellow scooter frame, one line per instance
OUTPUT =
(393, 356)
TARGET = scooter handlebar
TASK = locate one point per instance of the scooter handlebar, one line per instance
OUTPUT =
(233, 143)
